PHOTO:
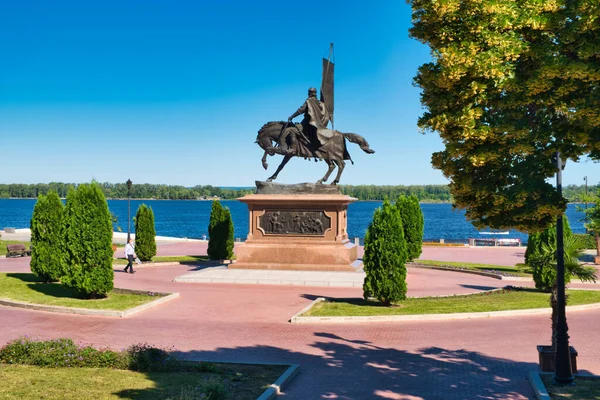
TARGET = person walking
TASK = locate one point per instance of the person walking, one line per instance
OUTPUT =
(130, 255)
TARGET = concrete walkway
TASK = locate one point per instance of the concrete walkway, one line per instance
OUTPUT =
(461, 359)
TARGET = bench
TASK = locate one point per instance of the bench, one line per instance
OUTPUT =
(17, 250)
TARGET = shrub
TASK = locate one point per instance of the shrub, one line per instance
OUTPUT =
(47, 243)
(547, 237)
(413, 224)
(145, 233)
(88, 234)
(385, 256)
(62, 352)
(544, 264)
(587, 240)
(220, 232)
(59, 353)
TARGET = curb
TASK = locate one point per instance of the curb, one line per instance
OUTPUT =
(275, 389)
(541, 393)
(87, 311)
(297, 319)
(470, 271)
(538, 386)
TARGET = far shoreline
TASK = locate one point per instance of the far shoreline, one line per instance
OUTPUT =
(236, 199)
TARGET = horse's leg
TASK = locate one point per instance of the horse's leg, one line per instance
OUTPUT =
(264, 160)
(285, 161)
(330, 168)
(341, 164)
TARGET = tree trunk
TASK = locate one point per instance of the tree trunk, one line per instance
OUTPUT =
(597, 237)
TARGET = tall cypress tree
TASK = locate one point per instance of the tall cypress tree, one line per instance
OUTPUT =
(216, 213)
(413, 223)
(228, 234)
(145, 233)
(47, 244)
(385, 256)
(88, 234)
(220, 232)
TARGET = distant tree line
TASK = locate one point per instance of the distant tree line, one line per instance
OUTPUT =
(119, 191)
(433, 193)
(426, 193)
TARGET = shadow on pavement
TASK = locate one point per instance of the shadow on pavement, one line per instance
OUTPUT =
(357, 369)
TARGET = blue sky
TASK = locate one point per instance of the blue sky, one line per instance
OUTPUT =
(175, 91)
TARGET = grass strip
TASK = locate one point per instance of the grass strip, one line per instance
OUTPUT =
(584, 388)
(31, 382)
(180, 259)
(501, 300)
(28, 288)
(500, 269)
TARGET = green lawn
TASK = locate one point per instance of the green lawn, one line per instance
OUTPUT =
(3, 244)
(481, 302)
(502, 269)
(29, 382)
(28, 288)
(180, 259)
(583, 388)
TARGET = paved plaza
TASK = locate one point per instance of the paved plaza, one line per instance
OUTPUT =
(451, 359)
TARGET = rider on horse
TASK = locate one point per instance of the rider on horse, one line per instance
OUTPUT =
(314, 130)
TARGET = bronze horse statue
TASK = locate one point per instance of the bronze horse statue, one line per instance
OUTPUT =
(333, 152)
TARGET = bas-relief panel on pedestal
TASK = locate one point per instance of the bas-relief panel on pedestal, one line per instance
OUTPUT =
(294, 222)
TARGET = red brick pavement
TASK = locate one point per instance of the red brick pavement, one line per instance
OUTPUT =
(485, 255)
(460, 359)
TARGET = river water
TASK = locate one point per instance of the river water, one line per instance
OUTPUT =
(189, 218)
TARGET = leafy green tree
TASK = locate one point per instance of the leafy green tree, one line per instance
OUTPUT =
(413, 224)
(145, 233)
(88, 235)
(510, 83)
(547, 237)
(385, 255)
(47, 243)
(220, 232)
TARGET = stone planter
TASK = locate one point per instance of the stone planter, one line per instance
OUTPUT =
(547, 355)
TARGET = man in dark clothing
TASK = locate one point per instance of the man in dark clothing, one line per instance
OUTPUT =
(314, 124)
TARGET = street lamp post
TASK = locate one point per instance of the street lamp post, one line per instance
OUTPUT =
(586, 201)
(129, 183)
(562, 362)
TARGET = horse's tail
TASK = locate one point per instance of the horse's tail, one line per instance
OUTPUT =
(360, 141)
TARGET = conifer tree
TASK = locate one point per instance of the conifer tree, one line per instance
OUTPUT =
(47, 244)
(413, 223)
(220, 232)
(228, 234)
(385, 256)
(87, 229)
(145, 233)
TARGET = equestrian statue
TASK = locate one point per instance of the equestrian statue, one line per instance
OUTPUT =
(309, 139)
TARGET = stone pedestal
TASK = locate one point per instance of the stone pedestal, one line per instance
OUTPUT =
(297, 232)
